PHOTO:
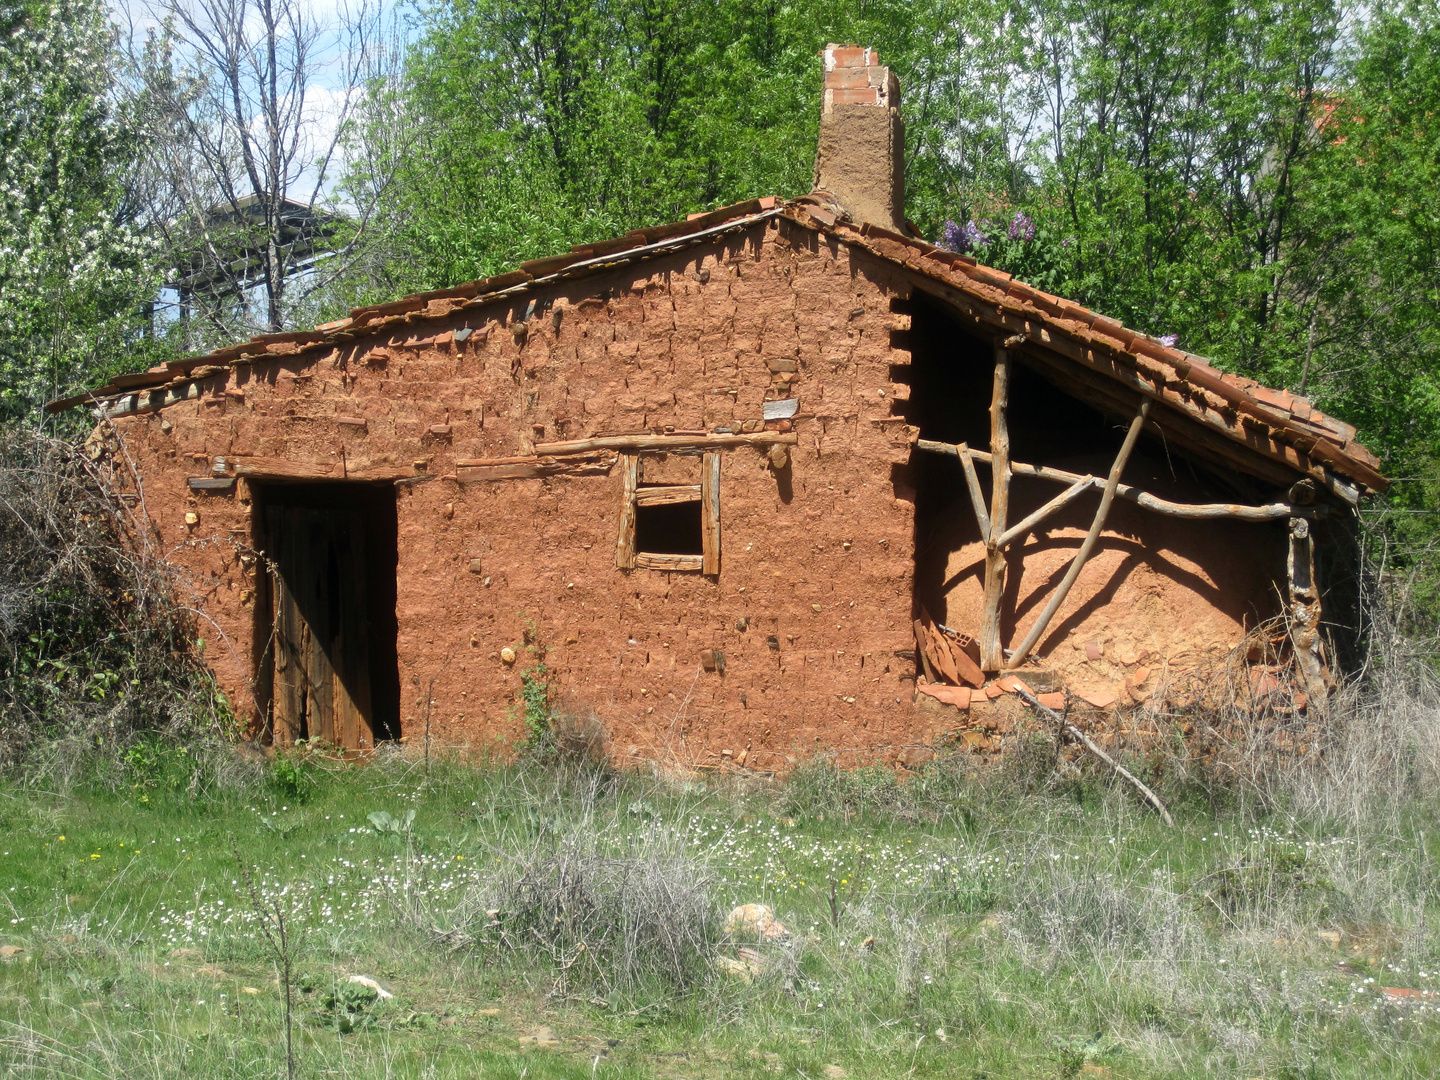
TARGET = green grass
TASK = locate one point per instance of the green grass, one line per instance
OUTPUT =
(938, 927)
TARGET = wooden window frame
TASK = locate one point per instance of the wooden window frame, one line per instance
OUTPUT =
(707, 493)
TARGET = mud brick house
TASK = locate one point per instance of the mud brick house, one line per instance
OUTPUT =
(777, 477)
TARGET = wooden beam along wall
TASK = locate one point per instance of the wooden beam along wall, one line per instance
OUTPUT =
(666, 442)
(630, 482)
(710, 513)
(666, 494)
(1194, 511)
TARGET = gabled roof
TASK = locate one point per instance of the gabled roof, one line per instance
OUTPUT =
(1271, 425)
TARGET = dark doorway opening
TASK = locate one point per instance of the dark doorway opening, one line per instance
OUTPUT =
(327, 630)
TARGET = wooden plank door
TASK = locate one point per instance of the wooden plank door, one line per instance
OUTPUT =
(322, 634)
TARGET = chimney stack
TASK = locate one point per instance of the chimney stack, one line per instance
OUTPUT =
(861, 156)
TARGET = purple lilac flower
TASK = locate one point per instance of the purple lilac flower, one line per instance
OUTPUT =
(962, 238)
(1169, 340)
(1022, 226)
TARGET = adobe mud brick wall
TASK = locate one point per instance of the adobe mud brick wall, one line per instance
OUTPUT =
(813, 599)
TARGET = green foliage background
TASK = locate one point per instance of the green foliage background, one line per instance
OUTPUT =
(73, 269)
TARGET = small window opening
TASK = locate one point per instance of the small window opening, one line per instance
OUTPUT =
(669, 528)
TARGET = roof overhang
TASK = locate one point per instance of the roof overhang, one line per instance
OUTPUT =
(1269, 433)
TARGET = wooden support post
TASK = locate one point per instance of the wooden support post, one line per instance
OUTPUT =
(992, 658)
(1305, 612)
(977, 497)
(710, 512)
(630, 483)
(1078, 562)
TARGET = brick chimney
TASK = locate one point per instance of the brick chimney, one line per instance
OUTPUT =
(861, 156)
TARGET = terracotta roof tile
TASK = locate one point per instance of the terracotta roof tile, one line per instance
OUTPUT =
(541, 267)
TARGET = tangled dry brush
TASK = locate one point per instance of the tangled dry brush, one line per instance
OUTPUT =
(94, 651)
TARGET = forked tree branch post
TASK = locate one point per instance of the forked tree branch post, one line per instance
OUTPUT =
(992, 656)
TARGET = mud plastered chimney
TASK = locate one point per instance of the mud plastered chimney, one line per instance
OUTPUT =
(861, 156)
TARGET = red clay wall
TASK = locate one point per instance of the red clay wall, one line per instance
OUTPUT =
(820, 558)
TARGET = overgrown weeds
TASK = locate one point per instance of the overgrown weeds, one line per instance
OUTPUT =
(96, 656)
(1032, 934)
(622, 920)
(579, 896)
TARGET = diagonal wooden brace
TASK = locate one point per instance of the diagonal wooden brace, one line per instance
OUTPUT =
(1078, 562)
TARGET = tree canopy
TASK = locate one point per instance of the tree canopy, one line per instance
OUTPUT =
(73, 270)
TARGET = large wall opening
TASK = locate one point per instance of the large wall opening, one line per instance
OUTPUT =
(326, 631)
(1158, 586)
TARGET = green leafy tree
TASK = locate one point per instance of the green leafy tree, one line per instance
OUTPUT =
(1371, 248)
(519, 128)
(74, 273)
